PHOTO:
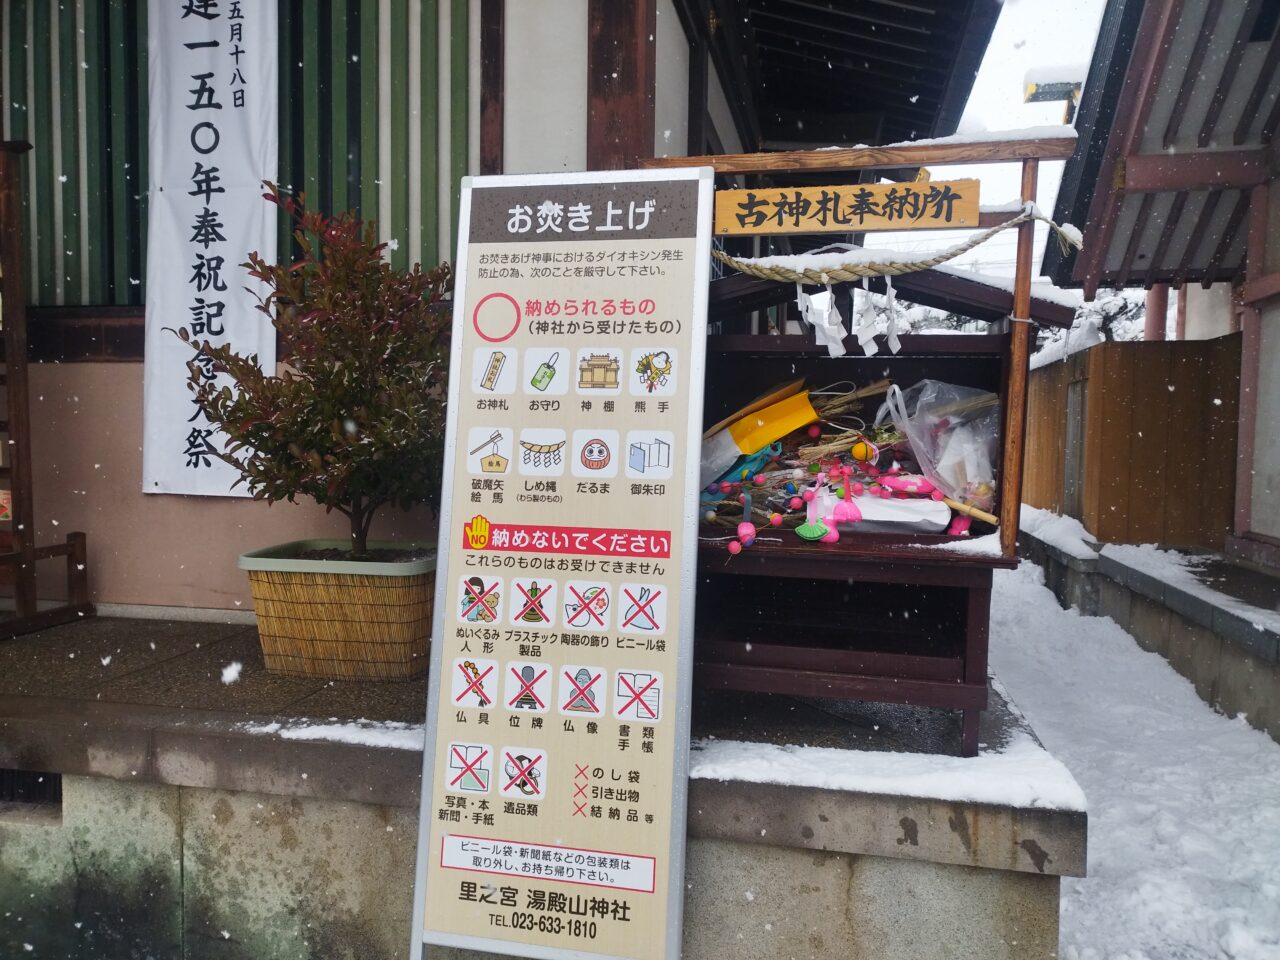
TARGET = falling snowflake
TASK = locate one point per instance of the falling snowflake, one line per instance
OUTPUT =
(231, 672)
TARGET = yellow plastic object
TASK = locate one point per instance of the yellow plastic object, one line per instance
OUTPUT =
(757, 430)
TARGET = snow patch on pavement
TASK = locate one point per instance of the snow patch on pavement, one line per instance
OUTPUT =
(1179, 570)
(368, 733)
(1022, 774)
(1184, 804)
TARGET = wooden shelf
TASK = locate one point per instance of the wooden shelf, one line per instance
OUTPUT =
(876, 557)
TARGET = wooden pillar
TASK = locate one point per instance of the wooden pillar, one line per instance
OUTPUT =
(1250, 348)
(492, 80)
(621, 71)
(1015, 420)
(13, 299)
(1157, 312)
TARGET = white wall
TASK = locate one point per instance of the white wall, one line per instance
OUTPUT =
(1209, 312)
(1266, 431)
(671, 94)
(721, 118)
(544, 123)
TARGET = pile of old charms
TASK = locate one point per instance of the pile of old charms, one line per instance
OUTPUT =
(803, 461)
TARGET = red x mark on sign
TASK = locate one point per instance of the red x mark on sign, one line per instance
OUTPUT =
(473, 686)
(579, 809)
(468, 767)
(589, 606)
(582, 770)
(534, 604)
(636, 697)
(525, 773)
(579, 789)
(527, 688)
(642, 608)
(581, 692)
(479, 601)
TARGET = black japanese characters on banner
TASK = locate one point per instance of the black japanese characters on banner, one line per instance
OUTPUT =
(212, 142)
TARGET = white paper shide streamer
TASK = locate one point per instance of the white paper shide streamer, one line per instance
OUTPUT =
(212, 140)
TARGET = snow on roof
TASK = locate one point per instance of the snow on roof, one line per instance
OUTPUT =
(1056, 73)
(1040, 290)
(1042, 132)
(1021, 774)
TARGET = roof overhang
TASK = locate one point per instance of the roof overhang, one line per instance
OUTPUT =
(1175, 131)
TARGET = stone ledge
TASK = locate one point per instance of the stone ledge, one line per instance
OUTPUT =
(211, 750)
(1194, 607)
(1024, 839)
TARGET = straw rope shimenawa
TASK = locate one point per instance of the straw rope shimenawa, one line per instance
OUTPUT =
(845, 272)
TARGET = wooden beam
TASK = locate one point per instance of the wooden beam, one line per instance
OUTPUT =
(621, 68)
(1265, 288)
(1250, 112)
(855, 158)
(492, 80)
(13, 319)
(1015, 398)
(879, 38)
(1191, 74)
(1228, 237)
(1135, 237)
(699, 81)
(1188, 254)
(1259, 220)
(1229, 69)
(1160, 172)
(1166, 237)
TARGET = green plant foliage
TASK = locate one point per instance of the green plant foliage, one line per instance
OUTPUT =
(355, 419)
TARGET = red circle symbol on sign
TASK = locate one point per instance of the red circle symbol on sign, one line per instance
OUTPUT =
(492, 318)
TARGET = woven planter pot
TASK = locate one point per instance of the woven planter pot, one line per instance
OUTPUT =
(341, 619)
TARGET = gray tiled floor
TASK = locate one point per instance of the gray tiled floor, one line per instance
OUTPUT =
(179, 665)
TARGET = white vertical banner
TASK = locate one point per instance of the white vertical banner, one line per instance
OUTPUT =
(212, 140)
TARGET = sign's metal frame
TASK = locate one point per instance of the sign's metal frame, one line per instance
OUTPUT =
(688, 561)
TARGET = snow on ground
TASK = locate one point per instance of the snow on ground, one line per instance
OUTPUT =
(1178, 569)
(1184, 804)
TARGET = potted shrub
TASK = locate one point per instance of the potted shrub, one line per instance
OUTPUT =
(355, 421)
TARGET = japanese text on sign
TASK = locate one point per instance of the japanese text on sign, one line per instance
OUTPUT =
(849, 209)
(553, 805)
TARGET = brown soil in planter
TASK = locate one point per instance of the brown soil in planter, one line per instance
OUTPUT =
(373, 556)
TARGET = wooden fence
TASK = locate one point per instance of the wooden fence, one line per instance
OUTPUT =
(1137, 440)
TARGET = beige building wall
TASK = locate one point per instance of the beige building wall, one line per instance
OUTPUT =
(671, 93)
(1209, 312)
(157, 549)
(544, 122)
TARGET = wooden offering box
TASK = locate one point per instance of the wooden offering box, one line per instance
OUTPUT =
(891, 618)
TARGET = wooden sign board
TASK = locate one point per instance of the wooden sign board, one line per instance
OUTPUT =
(556, 765)
(859, 208)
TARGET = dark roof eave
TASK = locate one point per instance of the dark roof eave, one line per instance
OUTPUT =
(983, 15)
(1094, 121)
